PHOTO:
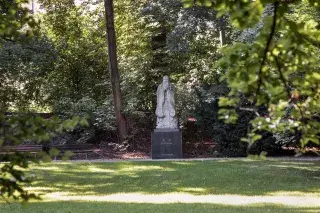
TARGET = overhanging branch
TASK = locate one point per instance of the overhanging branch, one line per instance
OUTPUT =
(265, 54)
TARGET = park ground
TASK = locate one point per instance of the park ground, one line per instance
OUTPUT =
(232, 185)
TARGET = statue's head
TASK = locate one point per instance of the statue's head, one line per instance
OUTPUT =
(165, 82)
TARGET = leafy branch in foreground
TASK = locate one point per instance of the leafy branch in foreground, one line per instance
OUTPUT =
(15, 20)
(19, 128)
(17, 23)
(279, 69)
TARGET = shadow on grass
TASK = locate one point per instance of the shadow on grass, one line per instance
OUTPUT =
(195, 177)
(104, 207)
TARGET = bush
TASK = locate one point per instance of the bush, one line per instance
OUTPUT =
(227, 137)
(100, 118)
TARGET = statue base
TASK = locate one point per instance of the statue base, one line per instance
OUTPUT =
(166, 144)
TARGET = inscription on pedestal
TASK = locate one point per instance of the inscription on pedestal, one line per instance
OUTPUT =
(166, 145)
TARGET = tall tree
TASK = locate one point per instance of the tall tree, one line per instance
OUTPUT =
(113, 69)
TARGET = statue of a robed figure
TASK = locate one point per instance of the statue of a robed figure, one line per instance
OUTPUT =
(165, 112)
(166, 139)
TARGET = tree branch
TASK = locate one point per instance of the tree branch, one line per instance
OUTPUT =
(304, 36)
(310, 40)
(7, 39)
(273, 30)
(282, 78)
(284, 81)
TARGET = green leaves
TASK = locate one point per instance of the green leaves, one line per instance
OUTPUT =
(279, 69)
(242, 13)
(187, 3)
(314, 3)
(12, 177)
(67, 155)
(191, 3)
(54, 152)
(17, 128)
(13, 17)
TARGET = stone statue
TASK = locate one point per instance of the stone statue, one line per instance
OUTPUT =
(165, 112)
(166, 138)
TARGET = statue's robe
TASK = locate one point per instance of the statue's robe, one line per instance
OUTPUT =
(166, 107)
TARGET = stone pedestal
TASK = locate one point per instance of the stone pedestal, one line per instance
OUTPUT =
(166, 144)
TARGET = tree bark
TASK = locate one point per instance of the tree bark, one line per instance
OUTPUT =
(113, 69)
(32, 6)
(222, 35)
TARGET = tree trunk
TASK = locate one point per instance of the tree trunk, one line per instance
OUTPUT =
(32, 6)
(222, 26)
(222, 37)
(113, 69)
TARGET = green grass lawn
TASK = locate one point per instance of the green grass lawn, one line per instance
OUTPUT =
(175, 186)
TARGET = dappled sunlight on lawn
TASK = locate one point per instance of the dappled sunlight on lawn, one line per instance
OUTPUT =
(300, 163)
(235, 160)
(198, 178)
(298, 201)
(309, 211)
(96, 169)
(223, 186)
(294, 193)
(294, 166)
(117, 207)
(144, 168)
(47, 167)
(192, 189)
(185, 163)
